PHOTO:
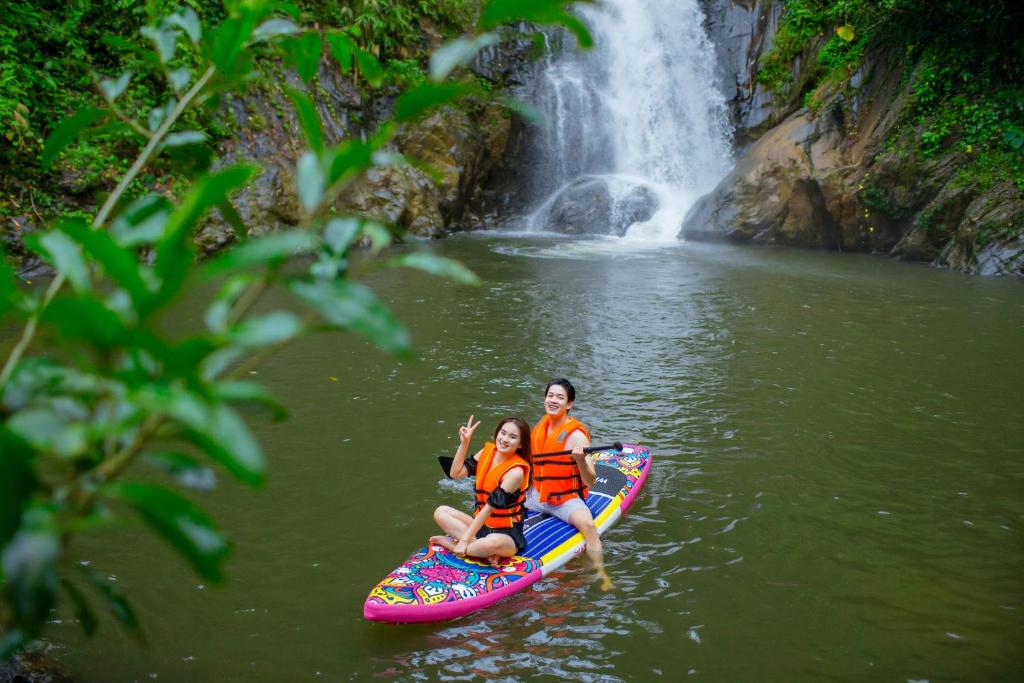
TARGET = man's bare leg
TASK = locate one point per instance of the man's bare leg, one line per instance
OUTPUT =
(584, 521)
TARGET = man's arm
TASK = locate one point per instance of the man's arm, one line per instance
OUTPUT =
(578, 440)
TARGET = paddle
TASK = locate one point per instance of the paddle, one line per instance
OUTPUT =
(446, 461)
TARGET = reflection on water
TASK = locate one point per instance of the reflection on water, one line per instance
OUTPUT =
(836, 491)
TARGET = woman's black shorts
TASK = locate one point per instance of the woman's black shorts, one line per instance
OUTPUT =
(516, 533)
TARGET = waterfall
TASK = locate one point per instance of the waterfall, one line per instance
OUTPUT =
(635, 130)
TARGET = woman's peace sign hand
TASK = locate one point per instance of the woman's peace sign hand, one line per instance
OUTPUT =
(466, 431)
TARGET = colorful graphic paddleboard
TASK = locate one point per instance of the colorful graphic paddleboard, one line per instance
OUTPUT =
(435, 585)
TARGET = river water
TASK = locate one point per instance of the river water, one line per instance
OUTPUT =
(836, 492)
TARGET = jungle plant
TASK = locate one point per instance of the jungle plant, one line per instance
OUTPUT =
(112, 390)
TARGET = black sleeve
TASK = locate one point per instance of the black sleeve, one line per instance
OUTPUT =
(471, 466)
(501, 499)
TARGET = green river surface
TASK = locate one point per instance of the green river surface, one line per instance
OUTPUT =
(837, 492)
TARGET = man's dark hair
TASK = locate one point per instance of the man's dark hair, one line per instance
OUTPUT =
(570, 390)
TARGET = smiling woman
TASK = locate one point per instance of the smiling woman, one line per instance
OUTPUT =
(502, 470)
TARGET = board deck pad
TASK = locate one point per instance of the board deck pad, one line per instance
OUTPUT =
(435, 585)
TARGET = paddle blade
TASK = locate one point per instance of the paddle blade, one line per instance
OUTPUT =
(446, 464)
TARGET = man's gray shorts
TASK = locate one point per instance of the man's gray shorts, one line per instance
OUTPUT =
(561, 511)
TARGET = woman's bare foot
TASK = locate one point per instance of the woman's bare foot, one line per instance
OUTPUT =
(495, 560)
(445, 542)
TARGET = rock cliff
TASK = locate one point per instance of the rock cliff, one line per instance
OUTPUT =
(845, 173)
(450, 152)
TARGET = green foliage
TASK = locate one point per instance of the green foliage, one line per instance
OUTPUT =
(115, 384)
(966, 62)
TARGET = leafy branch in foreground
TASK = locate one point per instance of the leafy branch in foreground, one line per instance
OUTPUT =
(122, 390)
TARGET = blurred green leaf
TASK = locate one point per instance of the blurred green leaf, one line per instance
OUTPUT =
(119, 607)
(456, 53)
(192, 158)
(277, 26)
(187, 19)
(50, 431)
(66, 131)
(413, 103)
(85, 318)
(180, 359)
(342, 48)
(185, 469)
(577, 27)
(552, 12)
(309, 120)
(179, 78)
(158, 114)
(378, 235)
(135, 48)
(436, 265)
(340, 233)
(112, 89)
(243, 391)
(231, 216)
(119, 263)
(187, 528)
(228, 40)
(214, 427)
(62, 253)
(369, 66)
(173, 253)
(30, 566)
(264, 250)
(266, 330)
(352, 306)
(289, 8)
(17, 481)
(163, 39)
(185, 137)
(216, 316)
(11, 642)
(142, 221)
(37, 375)
(10, 295)
(524, 109)
(308, 56)
(310, 181)
(349, 159)
(217, 362)
(326, 266)
(83, 611)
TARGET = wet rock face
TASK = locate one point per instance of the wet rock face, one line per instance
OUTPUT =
(742, 31)
(452, 152)
(588, 207)
(841, 176)
(773, 195)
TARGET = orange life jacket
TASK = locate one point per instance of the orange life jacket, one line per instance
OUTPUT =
(489, 478)
(556, 477)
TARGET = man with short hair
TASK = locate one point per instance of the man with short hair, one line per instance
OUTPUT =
(559, 483)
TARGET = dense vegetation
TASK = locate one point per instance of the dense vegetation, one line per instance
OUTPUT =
(54, 52)
(107, 410)
(963, 60)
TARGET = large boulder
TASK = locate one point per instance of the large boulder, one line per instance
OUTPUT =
(399, 195)
(774, 195)
(458, 151)
(590, 207)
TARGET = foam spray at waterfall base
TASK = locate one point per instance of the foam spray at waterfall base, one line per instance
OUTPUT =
(634, 130)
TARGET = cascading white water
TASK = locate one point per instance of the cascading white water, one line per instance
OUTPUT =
(634, 129)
